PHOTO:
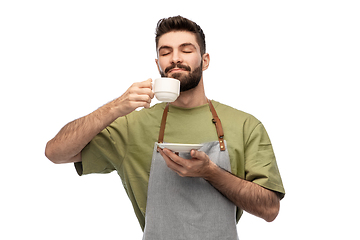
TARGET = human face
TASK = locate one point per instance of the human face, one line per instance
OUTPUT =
(179, 57)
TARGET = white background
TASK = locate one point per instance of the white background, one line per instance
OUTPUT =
(292, 64)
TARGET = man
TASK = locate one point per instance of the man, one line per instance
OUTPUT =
(196, 195)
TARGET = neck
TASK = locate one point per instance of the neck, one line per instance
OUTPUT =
(192, 98)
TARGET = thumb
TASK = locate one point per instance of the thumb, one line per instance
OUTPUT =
(195, 153)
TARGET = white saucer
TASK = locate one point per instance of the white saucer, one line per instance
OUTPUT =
(178, 147)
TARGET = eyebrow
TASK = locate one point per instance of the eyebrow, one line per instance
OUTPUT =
(164, 47)
(188, 44)
(182, 45)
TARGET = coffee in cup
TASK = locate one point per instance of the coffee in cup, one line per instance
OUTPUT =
(166, 89)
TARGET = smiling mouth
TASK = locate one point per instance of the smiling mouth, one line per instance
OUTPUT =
(177, 70)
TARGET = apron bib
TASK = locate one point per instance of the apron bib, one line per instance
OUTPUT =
(185, 208)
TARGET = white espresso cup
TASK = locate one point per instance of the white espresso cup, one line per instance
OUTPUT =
(166, 89)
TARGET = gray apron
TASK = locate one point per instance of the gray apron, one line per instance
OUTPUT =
(185, 208)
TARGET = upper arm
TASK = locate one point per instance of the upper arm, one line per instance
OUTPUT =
(105, 151)
(260, 162)
(75, 159)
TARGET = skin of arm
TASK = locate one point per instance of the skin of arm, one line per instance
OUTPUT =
(67, 145)
(248, 196)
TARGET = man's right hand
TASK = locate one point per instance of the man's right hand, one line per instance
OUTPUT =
(138, 95)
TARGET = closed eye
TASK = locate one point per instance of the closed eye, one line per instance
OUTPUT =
(165, 50)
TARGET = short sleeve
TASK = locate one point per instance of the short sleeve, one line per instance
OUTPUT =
(105, 151)
(260, 163)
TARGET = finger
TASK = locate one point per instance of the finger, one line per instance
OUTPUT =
(161, 151)
(139, 89)
(169, 161)
(137, 104)
(145, 84)
(140, 98)
(179, 161)
(174, 157)
(142, 104)
(144, 91)
(184, 163)
(167, 153)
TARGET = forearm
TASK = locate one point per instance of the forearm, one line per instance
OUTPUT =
(248, 196)
(67, 145)
(74, 136)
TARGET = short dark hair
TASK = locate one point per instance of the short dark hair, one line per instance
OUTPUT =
(179, 23)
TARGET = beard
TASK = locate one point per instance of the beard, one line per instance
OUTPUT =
(188, 80)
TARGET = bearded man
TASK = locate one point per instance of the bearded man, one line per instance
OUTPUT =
(200, 194)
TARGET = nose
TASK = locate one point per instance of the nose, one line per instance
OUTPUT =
(176, 57)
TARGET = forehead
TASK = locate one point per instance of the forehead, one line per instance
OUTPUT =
(177, 38)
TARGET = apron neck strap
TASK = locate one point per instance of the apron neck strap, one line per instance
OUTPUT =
(215, 120)
(219, 129)
(163, 123)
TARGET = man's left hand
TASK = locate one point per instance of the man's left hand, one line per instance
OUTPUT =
(199, 166)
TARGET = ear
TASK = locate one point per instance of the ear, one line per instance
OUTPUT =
(206, 61)
(157, 65)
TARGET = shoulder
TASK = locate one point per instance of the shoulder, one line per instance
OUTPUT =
(228, 113)
(142, 124)
(153, 110)
(140, 116)
(236, 122)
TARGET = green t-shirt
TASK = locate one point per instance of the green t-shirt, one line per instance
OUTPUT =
(127, 146)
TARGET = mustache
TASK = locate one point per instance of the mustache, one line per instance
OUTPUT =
(187, 68)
